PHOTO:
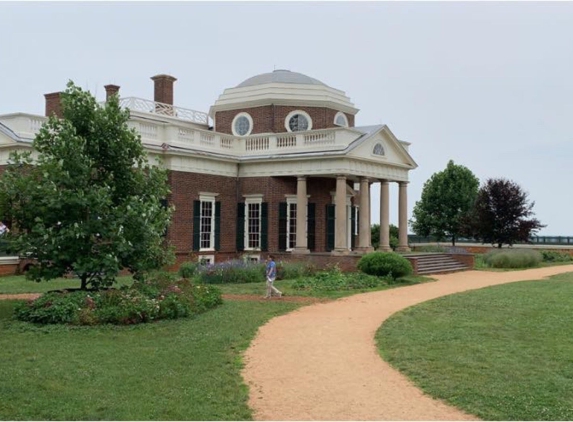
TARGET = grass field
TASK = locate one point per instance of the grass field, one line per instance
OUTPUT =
(501, 353)
(170, 370)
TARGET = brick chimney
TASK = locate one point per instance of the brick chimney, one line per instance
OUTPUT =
(163, 88)
(53, 104)
(111, 90)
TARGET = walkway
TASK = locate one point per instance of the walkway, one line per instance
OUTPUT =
(320, 362)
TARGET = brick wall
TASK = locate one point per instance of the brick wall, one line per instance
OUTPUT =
(271, 118)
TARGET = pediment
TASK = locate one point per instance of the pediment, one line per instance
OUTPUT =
(383, 147)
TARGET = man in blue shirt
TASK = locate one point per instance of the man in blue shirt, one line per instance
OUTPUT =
(271, 276)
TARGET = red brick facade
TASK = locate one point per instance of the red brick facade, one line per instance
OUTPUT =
(271, 118)
(53, 104)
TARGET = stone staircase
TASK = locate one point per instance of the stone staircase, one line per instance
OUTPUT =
(435, 263)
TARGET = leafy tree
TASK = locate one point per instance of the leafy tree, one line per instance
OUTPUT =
(447, 197)
(375, 236)
(89, 202)
(501, 214)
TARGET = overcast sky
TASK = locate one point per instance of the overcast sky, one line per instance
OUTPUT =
(488, 85)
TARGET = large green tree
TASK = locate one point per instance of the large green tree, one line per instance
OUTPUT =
(446, 199)
(502, 214)
(87, 201)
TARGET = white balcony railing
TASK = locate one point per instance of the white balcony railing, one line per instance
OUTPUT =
(153, 107)
(183, 136)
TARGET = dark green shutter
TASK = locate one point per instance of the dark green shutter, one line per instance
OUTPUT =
(217, 226)
(196, 225)
(353, 217)
(283, 221)
(330, 214)
(264, 226)
(241, 226)
(311, 215)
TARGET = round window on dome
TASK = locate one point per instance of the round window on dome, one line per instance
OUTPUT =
(242, 124)
(298, 121)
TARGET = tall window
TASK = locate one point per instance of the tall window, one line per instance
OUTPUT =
(207, 230)
(253, 225)
(291, 225)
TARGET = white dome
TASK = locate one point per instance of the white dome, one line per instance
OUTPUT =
(280, 76)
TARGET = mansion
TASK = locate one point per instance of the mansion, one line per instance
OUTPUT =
(277, 165)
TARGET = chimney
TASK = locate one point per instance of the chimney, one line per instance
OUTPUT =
(111, 90)
(163, 88)
(53, 104)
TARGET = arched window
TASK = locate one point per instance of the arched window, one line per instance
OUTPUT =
(378, 149)
(242, 124)
(298, 121)
(340, 119)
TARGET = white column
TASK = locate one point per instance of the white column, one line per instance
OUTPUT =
(301, 217)
(364, 244)
(340, 235)
(403, 218)
(384, 217)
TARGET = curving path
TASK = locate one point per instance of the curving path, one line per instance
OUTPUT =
(320, 362)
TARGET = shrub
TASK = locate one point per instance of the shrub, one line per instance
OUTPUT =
(384, 264)
(159, 297)
(335, 280)
(556, 256)
(187, 269)
(294, 270)
(233, 271)
(513, 258)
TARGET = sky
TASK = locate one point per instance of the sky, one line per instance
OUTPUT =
(488, 85)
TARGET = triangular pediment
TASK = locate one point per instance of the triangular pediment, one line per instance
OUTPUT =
(383, 147)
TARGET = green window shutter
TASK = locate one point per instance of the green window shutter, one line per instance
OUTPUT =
(264, 226)
(283, 221)
(330, 213)
(353, 218)
(217, 226)
(241, 226)
(196, 225)
(311, 214)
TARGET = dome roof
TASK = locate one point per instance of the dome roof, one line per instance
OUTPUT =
(280, 76)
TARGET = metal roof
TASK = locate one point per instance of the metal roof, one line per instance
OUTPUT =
(280, 76)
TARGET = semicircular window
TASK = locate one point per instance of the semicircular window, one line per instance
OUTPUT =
(378, 150)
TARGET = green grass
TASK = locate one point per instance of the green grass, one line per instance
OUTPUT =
(18, 284)
(481, 265)
(501, 353)
(170, 370)
(285, 287)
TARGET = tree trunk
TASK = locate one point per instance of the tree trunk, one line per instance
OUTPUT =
(499, 245)
(84, 278)
(454, 240)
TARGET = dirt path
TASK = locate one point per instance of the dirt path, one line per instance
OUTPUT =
(320, 362)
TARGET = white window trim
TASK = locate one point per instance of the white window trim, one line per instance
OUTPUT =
(252, 199)
(249, 118)
(292, 113)
(211, 258)
(248, 257)
(207, 197)
(379, 156)
(339, 114)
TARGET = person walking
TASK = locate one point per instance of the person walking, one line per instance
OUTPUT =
(271, 276)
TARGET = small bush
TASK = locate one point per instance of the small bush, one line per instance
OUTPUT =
(187, 269)
(383, 264)
(159, 297)
(335, 280)
(294, 270)
(556, 256)
(233, 271)
(513, 258)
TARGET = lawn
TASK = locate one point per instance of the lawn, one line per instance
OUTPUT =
(18, 284)
(170, 370)
(501, 353)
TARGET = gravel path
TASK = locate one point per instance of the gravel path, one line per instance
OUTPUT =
(320, 362)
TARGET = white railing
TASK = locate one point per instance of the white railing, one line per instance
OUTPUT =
(153, 107)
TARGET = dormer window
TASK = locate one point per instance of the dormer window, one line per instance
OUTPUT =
(340, 119)
(242, 124)
(298, 121)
